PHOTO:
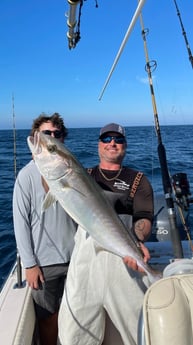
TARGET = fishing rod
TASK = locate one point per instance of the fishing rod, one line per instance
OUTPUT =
(181, 189)
(18, 260)
(184, 34)
(14, 139)
(167, 187)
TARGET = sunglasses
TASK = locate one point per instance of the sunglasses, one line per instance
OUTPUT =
(57, 133)
(109, 138)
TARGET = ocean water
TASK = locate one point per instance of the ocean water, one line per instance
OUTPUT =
(141, 155)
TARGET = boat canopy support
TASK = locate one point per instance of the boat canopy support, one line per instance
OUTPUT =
(73, 33)
(73, 22)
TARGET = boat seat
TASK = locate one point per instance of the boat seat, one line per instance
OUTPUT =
(167, 314)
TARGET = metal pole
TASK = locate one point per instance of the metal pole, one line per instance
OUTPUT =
(73, 37)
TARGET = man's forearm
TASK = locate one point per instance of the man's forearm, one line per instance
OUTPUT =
(142, 229)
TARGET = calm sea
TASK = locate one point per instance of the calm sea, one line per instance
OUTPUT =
(141, 155)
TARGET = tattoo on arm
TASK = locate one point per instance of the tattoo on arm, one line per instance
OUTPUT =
(139, 225)
(141, 229)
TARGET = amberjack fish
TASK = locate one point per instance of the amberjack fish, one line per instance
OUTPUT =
(83, 199)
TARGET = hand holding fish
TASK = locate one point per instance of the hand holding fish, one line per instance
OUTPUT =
(132, 263)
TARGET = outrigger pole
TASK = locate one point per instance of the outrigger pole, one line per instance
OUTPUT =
(184, 34)
(133, 21)
(167, 187)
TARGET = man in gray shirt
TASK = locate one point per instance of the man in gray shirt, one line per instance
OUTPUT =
(45, 240)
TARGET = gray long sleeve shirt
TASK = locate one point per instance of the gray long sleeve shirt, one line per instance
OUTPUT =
(43, 238)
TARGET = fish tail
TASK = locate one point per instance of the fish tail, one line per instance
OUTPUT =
(154, 277)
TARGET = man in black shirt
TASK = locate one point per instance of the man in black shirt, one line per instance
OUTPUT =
(98, 280)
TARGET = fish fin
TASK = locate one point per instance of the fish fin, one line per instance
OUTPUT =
(48, 201)
(67, 186)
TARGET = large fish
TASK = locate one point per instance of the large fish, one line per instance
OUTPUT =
(83, 199)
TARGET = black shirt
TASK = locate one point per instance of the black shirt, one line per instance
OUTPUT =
(119, 186)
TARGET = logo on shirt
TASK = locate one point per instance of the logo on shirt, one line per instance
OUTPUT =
(121, 185)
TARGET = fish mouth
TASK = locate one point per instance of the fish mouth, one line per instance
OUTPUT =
(34, 143)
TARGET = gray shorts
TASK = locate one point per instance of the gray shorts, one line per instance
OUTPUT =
(47, 298)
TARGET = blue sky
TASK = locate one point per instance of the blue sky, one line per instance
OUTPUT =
(37, 67)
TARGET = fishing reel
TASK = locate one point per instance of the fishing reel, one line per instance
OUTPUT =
(181, 189)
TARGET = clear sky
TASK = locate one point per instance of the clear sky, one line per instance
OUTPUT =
(37, 67)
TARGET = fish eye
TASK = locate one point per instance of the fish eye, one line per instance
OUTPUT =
(52, 148)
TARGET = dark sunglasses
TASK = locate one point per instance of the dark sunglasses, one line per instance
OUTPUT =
(109, 138)
(57, 133)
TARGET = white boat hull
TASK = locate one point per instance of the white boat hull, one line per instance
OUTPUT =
(17, 316)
